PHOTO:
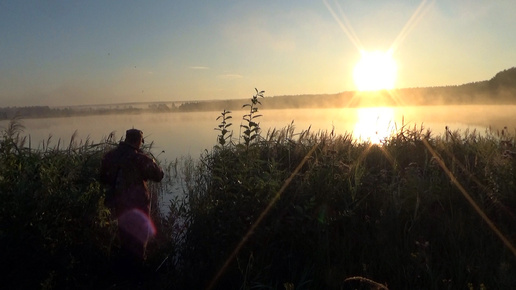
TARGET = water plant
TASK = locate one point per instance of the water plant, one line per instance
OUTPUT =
(52, 215)
(223, 128)
(252, 127)
(307, 210)
(385, 213)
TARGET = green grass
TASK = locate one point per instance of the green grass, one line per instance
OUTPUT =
(280, 210)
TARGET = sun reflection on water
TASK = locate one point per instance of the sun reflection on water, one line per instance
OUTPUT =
(374, 124)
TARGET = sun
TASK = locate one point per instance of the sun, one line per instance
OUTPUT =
(375, 71)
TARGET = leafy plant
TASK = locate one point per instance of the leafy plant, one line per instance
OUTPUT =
(223, 128)
(252, 127)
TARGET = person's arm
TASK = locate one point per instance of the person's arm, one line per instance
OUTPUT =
(152, 171)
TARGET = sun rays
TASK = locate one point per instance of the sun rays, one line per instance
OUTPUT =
(375, 74)
(376, 71)
(375, 124)
(346, 27)
(377, 68)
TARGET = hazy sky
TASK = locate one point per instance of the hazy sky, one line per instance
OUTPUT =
(88, 52)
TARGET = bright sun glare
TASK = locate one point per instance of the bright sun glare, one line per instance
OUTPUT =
(374, 124)
(375, 71)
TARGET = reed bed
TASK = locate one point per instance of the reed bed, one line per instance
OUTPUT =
(280, 210)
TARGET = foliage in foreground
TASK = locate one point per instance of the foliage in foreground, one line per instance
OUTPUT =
(310, 210)
(55, 232)
(284, 210)
(52, 228)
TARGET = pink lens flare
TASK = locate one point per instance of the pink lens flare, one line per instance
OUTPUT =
(138, 224)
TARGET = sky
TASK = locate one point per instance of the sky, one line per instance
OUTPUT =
(62, 53)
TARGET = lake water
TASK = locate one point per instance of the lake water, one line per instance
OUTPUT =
(178, 135)
(189, 134)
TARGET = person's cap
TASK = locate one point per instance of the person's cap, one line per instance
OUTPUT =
(134, 135)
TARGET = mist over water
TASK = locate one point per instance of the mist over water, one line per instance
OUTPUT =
(176, 136)
(189, 134)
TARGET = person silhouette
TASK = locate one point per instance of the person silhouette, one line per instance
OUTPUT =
(125, 172)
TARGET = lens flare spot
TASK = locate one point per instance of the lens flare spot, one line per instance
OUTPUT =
(138, 224)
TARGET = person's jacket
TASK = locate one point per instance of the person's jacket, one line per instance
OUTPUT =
(125, 171)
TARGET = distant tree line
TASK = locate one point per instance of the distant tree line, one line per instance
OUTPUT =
(501, 89)
(33, 112)
(8, 113)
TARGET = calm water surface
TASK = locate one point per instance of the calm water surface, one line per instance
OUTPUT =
(189, 134)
